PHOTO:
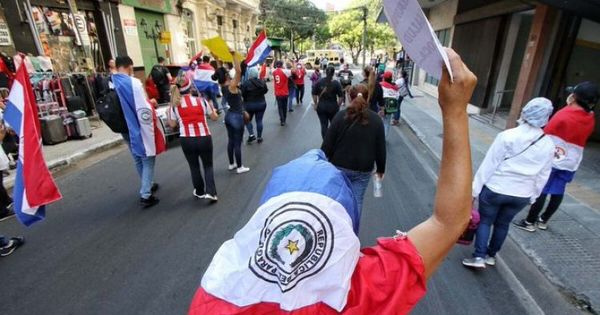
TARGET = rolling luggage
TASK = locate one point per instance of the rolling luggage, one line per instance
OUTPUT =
(75, 103)
(53, 130)
(79, 114)
(83, 127)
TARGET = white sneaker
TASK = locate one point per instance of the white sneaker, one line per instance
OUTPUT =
(198, 196)
(242, 169)
(490, 261)
(211, 198)
(232, 167)
(475, 262)
(542, 225)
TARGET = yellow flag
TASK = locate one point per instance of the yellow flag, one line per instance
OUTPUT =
(218, 48)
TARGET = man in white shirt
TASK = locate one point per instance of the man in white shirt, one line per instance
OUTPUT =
(511, 176)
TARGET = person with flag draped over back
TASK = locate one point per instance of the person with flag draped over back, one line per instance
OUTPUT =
(299, 254)
(146, 139)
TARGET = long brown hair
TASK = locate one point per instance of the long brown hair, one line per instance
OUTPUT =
(359, 107)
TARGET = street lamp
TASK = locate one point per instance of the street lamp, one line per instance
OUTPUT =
(153, 34)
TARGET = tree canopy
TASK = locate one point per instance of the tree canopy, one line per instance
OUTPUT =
(302, 17)
(346, 28)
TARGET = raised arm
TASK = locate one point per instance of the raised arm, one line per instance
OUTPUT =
(435, 237)
(235, 82)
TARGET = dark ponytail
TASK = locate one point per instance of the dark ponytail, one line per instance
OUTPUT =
(359, 106)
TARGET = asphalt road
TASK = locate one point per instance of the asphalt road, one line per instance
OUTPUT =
(99, 253)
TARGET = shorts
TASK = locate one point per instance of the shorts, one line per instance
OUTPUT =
(557, 182)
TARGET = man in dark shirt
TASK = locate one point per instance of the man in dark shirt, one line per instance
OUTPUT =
(161, 78)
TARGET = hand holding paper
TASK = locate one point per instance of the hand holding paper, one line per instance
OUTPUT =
(416, 35)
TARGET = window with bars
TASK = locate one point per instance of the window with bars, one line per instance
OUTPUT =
(444, 37)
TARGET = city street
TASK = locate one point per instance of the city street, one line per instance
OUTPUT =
(99, 253)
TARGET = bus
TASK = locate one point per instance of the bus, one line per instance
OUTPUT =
(333, 55)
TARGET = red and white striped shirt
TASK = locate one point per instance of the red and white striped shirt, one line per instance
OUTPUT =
(191, 115)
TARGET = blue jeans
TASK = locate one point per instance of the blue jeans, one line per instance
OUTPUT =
(281, 103)
(256, 109)
(397, 114)
(497, 210)
(292, 95)
(359, 181)
(234, 121)
(387, 122)
(213, 98)
(145, 168)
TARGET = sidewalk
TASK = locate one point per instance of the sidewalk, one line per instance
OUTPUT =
(568, 253)
(64, 154)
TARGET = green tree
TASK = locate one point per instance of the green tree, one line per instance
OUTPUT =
(297, 19)
(347, 28)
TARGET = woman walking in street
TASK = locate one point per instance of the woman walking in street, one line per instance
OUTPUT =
(234, 120)
(355, 142)
(299, 80)
(511, 176)
(189, 113)
(253, 92)
(402, 84)
(328, 96)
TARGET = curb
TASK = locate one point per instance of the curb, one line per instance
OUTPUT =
(527, 301)
(64, 162)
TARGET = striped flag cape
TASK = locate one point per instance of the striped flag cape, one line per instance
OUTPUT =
(570, 129)
(203, 79)
(299, 254)
(259, 51)
(145, 136)
(34, 186)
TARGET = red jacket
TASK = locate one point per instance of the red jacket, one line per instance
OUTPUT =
(280, 81)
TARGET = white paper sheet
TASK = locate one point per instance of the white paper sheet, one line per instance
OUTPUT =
(416, 35)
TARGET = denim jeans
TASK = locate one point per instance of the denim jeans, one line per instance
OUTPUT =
(256, 109)
(145, 169)
(387, 122)
(213, 98)
(497, 210)
(359, 181)
(397, 114)
(234, 121)
(292, 95)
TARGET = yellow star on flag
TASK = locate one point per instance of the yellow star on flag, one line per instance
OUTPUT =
(292, 246)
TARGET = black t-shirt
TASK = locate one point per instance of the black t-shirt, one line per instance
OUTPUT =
(355, 146)
(328, 92)
(160, 76)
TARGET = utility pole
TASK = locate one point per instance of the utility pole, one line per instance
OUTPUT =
(364, 36)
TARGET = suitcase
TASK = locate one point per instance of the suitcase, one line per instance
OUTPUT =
(53, 130)
(79, 114)
(83, 127)
(75, 103)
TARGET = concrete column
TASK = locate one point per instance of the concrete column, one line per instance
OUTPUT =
(539, 36)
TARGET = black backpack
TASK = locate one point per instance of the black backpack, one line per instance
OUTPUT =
(109, 109)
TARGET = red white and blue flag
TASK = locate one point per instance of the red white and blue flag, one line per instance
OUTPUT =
(34, 186)
(145, 136)
(570, 129)
(203, 79)
(259, 51)
(299, 254)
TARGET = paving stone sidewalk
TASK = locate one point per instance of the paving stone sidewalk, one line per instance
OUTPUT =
(63, 154)
(568, 253)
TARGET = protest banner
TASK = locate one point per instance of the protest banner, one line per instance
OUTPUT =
(416, 35)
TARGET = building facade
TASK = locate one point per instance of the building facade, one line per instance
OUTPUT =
(518, 50)
(142, 29)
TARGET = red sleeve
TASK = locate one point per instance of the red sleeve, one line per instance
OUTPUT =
(389, 279)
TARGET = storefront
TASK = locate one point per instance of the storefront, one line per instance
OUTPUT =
(76, 35)
(146, 32)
